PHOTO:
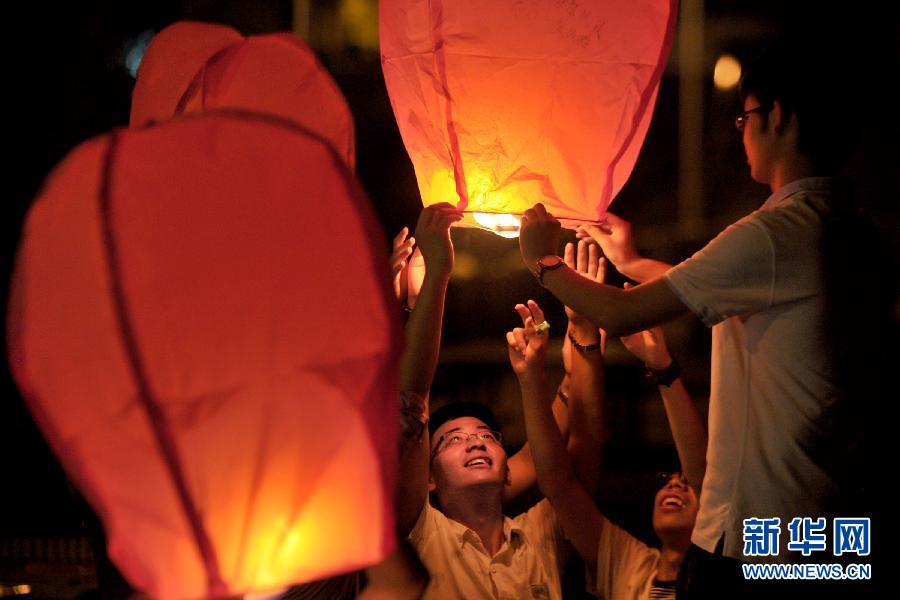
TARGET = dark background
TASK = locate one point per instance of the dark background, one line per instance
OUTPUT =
(66, 82)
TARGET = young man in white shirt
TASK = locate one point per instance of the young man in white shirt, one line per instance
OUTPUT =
(781, 423)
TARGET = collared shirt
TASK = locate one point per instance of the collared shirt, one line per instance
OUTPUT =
(773, 394)
(626, 567)
(526, 566)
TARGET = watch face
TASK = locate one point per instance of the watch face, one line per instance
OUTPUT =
(550, 261)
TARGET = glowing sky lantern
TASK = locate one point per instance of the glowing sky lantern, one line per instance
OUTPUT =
(190, 67)
(223, 393)
(506, 103)
(173, 59)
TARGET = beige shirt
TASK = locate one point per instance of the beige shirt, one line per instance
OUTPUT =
(526, 566)
(626, 566)
(773, 395)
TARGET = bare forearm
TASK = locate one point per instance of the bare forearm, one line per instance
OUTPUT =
(412, 483)
(423, 335)
(619, 312)
(521, 464)
(548, 450)
(574, 507)
(642, 269)
(587, 434)
(688, 431)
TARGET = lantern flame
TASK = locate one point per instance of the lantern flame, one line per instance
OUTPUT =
(503, 224)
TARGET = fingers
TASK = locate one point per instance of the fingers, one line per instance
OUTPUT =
(593, 231)
(536, 212)
(593, 261)
(536, 311)
(401, 236)
(523, 312)
(519, 337)
(601, 269)
(529, 327)
(585, 258)
(531, 315)
(511, 341)
(403, 251)
(581, 259)
(441, 214)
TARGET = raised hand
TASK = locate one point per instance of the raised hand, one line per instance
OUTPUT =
(433, 236)
(615, 239)
(584, 259)
(538, 235)
(402, 247)
(527, 345)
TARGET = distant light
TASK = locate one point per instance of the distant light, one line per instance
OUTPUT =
(15, 590)
(504, 225)
(727, 72)
(135, 49)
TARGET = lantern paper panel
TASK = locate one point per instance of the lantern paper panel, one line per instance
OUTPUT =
(191, 67)
(507, 103)
(221, 389)
(173, 59)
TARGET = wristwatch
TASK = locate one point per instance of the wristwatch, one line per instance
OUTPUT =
(665, 377)
(547, 263)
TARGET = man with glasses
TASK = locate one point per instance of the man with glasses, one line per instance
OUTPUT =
(471, 549)
(784, 432)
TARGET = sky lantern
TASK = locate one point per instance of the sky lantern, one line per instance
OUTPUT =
(221, 390)
(192, 66)
(506, 103)
(173, 59)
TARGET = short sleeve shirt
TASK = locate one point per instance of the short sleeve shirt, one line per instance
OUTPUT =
(760, 286)
(526, 566)
(626, 567)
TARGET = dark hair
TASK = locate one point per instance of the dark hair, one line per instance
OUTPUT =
(812, 78)
(455, 410)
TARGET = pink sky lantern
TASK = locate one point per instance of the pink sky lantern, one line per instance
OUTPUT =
(506, 103)
(191, 67)
(221, 389)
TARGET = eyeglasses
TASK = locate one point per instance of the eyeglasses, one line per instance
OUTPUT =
(452, 438)
(740, 121)
(663, 479)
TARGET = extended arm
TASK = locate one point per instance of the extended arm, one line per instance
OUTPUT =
(419, 361)
(685, 420)
(615, 239)
(521, 464)
(573, 505)
(587, 434)
(619, 312)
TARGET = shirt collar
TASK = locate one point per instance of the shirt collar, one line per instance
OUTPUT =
(512, 533)
(807, 184)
